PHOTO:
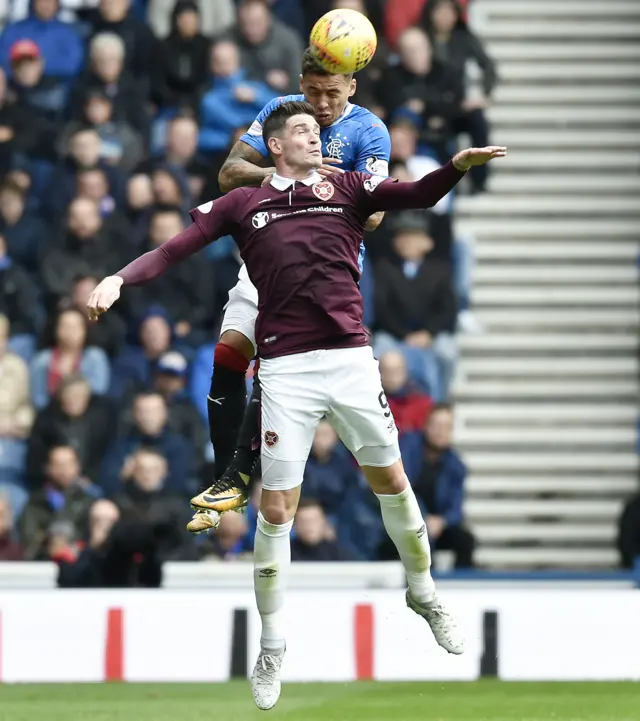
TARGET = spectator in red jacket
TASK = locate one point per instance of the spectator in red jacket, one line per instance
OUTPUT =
(409, 405)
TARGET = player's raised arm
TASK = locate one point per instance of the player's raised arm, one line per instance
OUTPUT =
(427, 191)
(244, 166)
(210, 223)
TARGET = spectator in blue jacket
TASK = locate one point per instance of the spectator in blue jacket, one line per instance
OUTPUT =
(438, 475)
(232, 99)
(59, 42)
(150, 430)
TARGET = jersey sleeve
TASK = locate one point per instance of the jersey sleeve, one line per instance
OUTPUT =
(253, 136)
(374, 150)
(217, 218)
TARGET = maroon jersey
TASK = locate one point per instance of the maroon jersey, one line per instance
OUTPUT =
(300, 241)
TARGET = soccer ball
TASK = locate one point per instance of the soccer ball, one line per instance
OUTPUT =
(343, 41)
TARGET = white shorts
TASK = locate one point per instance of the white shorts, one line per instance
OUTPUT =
(241, 310)
(298, 390)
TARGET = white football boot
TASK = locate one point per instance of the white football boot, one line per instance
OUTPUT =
(265, 679)
(443, 625)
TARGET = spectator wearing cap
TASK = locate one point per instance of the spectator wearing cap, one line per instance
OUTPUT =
(18, 135)
(180, 72)
(270, 50)
(75, 417)
(170, 381)
(409, 405)
(42, 98)
(16, 411)
(133, 369)
(150, 429)
(416, 310)
(59, 43)
(216, 16)
(116, 17)
(456, 45)
(231, 100)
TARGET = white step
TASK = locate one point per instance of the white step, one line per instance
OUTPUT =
(600, 509)
(550, 296)
(569, 485)
(534, 462)
(548, 533)
(528, 414)
(537, 27)
(533, 124)
(548, 367)
(527, 9)
(570, 318)
(506, 51)
(526, 71)
(554, 342)
(569, 558)
(504, 183)
(607, 438)
(544, 250)
(561, 95)
(552, 274)
(561, 231)
(593, 159)
(490, 204)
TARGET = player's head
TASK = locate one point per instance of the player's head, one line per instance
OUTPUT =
(329, 94)
(292, 136)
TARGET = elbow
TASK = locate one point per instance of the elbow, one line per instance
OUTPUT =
(224, 179)
(373, 222)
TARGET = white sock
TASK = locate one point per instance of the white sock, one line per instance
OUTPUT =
(404, 523)
(271, 561)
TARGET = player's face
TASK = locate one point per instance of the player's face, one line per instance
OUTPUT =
(300, 143)
(328, 94)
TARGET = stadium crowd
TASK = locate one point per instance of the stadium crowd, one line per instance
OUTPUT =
(115, 117)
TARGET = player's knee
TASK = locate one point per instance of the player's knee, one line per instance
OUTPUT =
(279, 507)
(386, 481)
(239, 342)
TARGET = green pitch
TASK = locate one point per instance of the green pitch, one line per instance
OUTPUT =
(481, 701)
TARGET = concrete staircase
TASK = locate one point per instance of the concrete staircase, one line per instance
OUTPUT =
(548, 397)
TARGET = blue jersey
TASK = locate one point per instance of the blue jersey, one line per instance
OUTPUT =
(358, 138)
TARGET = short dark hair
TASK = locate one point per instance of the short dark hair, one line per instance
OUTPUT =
(448, 407)
(310, 66)
(277, 118)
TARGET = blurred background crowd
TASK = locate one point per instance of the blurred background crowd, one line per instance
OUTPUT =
(115, 117)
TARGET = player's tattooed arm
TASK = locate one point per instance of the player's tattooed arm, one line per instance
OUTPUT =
(245, 166)
(373, 221)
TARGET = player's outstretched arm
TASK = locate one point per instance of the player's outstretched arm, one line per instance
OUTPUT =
(145, 268)
(427, 191)
(244, 166)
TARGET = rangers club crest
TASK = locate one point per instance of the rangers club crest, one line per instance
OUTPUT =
(271, 438)
(323, 191)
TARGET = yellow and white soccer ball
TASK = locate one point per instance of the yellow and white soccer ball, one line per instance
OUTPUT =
(343, 41)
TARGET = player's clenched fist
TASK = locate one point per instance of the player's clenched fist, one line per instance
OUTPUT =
(104, 296)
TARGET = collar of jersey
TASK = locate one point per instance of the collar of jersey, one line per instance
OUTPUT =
(281, 183)
(347, 109)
